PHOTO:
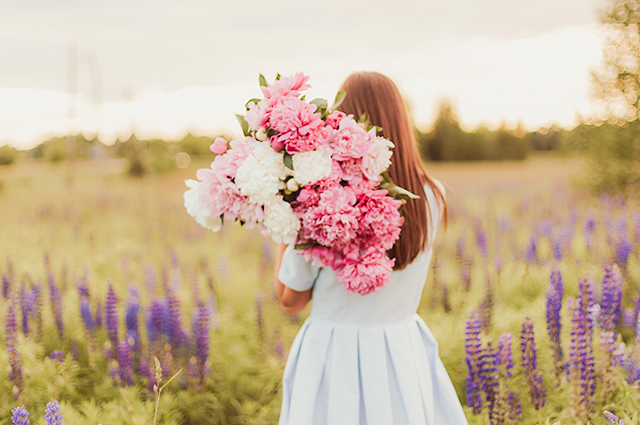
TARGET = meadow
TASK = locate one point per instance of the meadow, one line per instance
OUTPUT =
(101, 272)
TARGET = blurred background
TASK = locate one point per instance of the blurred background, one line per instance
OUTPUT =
(527, 110)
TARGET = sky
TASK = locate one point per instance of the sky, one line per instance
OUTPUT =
(162, 68)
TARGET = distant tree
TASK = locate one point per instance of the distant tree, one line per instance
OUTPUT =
(615, 156)
(8, 155)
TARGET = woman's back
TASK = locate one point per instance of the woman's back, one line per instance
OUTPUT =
(366, 359)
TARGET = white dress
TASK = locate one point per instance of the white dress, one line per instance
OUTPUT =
(366, 359)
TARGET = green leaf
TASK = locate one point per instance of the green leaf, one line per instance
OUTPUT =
(278, 76)
(339, 99)
(263, 81)
(254, 100)
(288, 161)
(244, 124)
(363, 119)
(304, 245)
(394, 190)
(320, 103)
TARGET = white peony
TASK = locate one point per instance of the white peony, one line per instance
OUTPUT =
(197, 209)
(309, 167)
(378, 160)
(262, 174)
(280, 221)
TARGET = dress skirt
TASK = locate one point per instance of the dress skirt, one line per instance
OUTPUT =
(375, 374)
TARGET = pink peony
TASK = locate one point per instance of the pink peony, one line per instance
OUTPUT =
(333, 180)
(299, 127)
(320, 256)
(220, 193)
(366, 273)
(333, 120)
(334, 221)
(258, 114)
(228, 163)
(219, 146)
(295, 143)
(287, 86)
(306, 199)
(380, 220)
(350, 141)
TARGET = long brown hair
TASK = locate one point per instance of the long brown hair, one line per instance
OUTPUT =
(378, 97)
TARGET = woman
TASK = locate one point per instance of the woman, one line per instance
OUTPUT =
(370, 359)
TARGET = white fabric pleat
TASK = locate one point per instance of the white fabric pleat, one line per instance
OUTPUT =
(308, 374)
(344, 394)
(399, 344)
(374, 376)
(386, 374)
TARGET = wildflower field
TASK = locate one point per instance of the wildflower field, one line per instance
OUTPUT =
(532, 295)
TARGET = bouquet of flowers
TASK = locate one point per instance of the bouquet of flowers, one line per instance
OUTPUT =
(310, 175)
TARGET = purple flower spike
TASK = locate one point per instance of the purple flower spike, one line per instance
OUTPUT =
(57, 355)
(20, 416)
(201, 332)
(111, 316)
(503, 355)
(174, 323)
(481, 239)
(531, 253)
(24, 307)
(15, 363)
(56, 304)
(473, 359)
(623, 245)
(555, 293)
(537, 391)
(86, 314)
(6, 286)
(124, 363)
(131, 316)
(611, 302)
(52, 415)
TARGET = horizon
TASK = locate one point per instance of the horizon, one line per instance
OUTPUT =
(496, 65)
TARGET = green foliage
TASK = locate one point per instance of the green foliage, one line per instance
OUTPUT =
(448, 142)
(194, 145)
(8, 155)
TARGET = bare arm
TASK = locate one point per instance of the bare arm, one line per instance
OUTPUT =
(292, 302)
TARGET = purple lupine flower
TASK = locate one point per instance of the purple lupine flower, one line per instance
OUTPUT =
(24, 308)
(619, 353)
(611, 302)
(489, 377)
(111, 316)
(36, 292)
(201, 332)
(15, 362)
(155, 321)
(481, 239)
(56, 304)
(6, 286)
(192, 372)
(503, 354)
(466, 273)
(132, 311)
(581, 364)
(20, 416)
(98, 316)
(82, 285)
(52, 415)
(124, 363)
(515, 408)
(259, 318)
(86, 314)
(613, 418)
(623, 245)
(589, 228)
(144, 369)
(486, 307)
(537, 391)
(460, 250)
(57, 355)
(174, 322)
(629, 318)
(531, 253)
(632, 367)
(555, 292)
(473, 351)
